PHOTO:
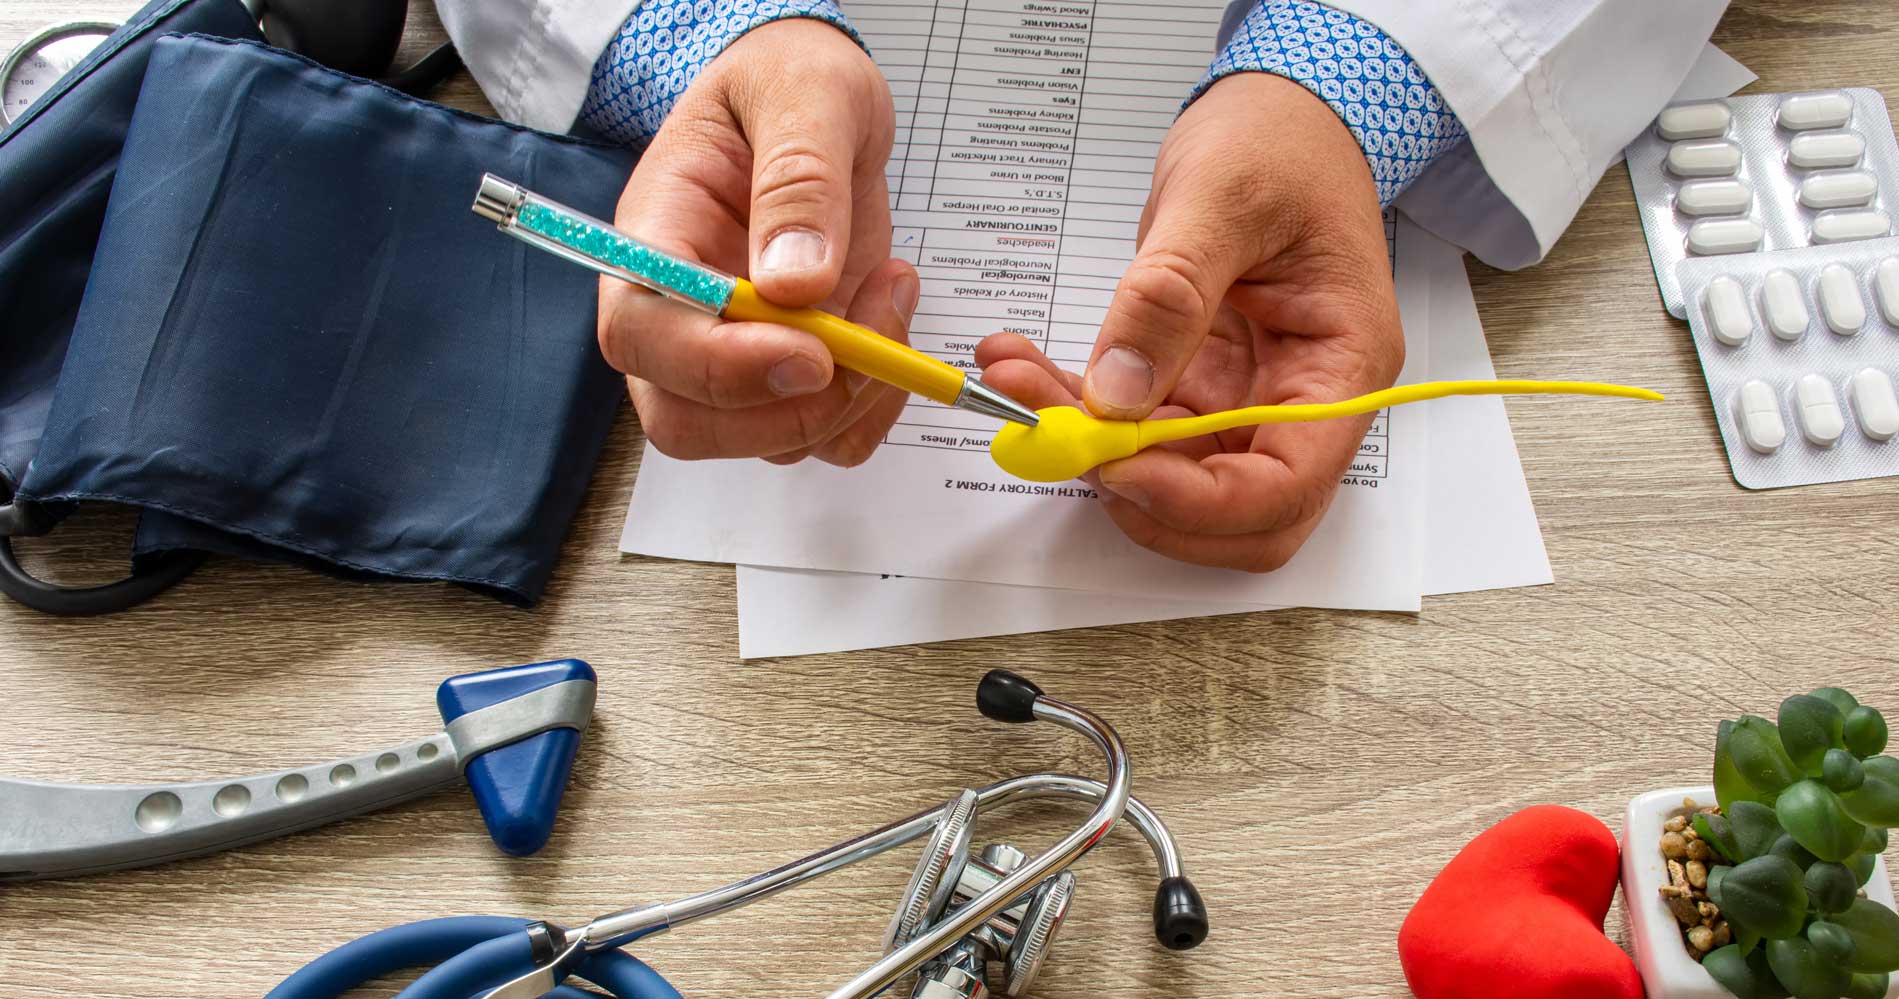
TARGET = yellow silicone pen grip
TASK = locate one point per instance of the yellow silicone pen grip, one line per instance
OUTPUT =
(855, 347)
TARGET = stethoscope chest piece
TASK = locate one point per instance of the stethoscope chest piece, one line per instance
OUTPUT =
(943, 860)
(1041, 918)
(946, 878)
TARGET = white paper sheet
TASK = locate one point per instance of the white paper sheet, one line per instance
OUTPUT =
(1714, 74)
(1480, 525)
(1481, 533)
(1024, 146)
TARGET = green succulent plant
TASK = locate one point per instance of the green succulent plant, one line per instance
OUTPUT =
(1805, 800)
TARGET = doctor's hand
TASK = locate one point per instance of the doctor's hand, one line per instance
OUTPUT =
(1261, 277)
(771, 166)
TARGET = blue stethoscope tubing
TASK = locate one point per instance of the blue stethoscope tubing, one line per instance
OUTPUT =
(471, 955)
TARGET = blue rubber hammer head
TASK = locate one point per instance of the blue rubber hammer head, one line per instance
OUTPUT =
(519, 731)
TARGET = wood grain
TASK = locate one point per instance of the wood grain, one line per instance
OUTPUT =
(1318, 767)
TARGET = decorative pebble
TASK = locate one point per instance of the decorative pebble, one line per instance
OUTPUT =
(1701, 938)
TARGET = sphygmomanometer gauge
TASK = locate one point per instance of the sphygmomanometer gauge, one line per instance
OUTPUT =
(37, 64)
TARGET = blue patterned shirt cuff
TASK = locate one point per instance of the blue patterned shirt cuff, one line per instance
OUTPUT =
(1397, 116)
(664, 46)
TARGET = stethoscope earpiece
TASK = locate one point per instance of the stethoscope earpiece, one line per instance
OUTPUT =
(1180, 917)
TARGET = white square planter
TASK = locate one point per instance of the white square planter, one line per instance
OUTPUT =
(1667, 970)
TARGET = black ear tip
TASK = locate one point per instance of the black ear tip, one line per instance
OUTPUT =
(1180, 917)
(1006, 697)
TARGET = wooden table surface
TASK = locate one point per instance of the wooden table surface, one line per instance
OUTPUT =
(1318, 767)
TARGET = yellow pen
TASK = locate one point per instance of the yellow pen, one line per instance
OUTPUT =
(592, 243)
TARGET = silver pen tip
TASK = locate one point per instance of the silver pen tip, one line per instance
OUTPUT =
(980, 398)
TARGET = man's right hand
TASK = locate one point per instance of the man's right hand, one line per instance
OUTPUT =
(771, 166)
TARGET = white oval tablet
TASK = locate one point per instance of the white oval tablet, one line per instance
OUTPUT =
(1838, 227)
(1838, 189)
(1825, 149)
(1820, 417)
(1761, 426)
(1715, 197)
(1886, 289)
(1710, 236)
(1693, 121)
(1726, 305)
(1783, 304)
(1705, 158)
(1840, 303)
(1875, 405)
(1804, 111)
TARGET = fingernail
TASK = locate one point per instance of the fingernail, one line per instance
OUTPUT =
(904, 295)
(1128, 491)
(791, 251)
(797, 375)
(1121, 378)
(854, 382)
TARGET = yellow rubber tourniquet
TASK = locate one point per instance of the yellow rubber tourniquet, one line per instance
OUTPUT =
(1069, 442)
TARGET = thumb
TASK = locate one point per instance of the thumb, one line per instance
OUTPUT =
(1164, 304)
(801, 196)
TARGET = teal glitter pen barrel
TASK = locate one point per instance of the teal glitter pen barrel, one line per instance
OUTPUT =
(560, 230)
(595, 244)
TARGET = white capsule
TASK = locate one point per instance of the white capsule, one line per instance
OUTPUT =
(1726, 306)
(1784, 305)
(1838, 227)
(1803, 111)
(1820, 417)
(1693, 121)
(1733, 235)
(1761, 426)
(1825, 149)
(1875, 405)
(1705, 158)
(1840, 303)
(1838, 189)
(1714, 197)
(1886, 289)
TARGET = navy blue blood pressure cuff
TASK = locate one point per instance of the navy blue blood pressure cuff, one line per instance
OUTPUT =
(57, 162)
(297, 342)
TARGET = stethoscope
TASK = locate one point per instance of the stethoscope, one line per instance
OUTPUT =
(959, 913)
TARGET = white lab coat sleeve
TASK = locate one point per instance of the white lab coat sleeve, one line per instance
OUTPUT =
(534, 58)
(1549, 90)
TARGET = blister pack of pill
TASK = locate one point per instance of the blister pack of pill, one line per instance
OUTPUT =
(1763, 173)
(1801, 351)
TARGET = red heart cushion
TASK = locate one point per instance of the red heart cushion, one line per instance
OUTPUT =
(1518, 913)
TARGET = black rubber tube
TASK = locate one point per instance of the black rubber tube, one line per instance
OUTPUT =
(154, 576)
(428, 71)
